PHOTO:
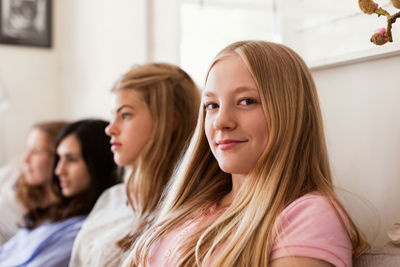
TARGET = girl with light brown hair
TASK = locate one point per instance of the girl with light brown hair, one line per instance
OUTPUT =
(154, 113)
(32, 188)
(257, 189)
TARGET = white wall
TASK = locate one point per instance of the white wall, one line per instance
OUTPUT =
(31, 78)
(101, 40)
(360, 105)
(166, 31)
(95, 42)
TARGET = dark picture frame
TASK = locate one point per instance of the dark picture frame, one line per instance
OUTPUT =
(26, 22)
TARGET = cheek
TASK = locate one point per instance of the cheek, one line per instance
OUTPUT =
(85, 182)
(138, 132)
(45, 165)
(139, 140)
(143, 133)
(209, 131)
(262, 135)
(129, 131)
(147, 132)
(82, 177)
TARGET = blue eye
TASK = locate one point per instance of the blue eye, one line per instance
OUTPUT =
(247, 101)
(125, 115)
(211, 106)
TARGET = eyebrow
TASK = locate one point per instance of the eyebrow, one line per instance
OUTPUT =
(237, 90)
(209, 93)
(124, 106)
(244, 89)
(68, 154)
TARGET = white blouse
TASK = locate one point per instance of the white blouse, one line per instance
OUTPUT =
(109, 221)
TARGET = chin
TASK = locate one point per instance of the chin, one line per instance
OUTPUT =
(118, 160)
(124, 161)
(66, 193)
(234, 168)
(229, 169)
(32, 182)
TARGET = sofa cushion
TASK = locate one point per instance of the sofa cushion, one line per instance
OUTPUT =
(386, 256)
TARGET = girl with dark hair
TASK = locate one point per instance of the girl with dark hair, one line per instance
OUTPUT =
(84, 169)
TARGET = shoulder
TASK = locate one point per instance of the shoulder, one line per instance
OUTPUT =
(61, 229)
(110, 220)
(61, 235)
(109, 210)
(113, 197)
(313, 226)
(48, 243)
(312, 204)
(112, 204)
(56, 250)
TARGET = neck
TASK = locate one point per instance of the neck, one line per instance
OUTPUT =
(237, 181)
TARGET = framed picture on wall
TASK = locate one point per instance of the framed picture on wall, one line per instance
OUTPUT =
(25, 22)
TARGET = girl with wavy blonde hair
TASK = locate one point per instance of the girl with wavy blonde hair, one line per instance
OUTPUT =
(154, 114)
(257, 189)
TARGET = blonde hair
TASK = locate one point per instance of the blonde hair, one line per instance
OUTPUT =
(173, 100)
(294, 163)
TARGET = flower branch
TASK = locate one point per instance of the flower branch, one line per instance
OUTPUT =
(382, 35)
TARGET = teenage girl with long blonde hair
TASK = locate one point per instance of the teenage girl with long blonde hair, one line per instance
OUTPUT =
(257, 189)
(154, 114)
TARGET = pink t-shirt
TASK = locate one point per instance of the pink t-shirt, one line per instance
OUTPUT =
(308, 227)
(164, 252)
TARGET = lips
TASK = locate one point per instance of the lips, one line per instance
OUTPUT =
(229, 143)
(115, 145)
(63, 183)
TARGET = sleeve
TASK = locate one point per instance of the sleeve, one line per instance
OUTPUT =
(57, 251)
(95, 224)
(75, 259)
(310, 227)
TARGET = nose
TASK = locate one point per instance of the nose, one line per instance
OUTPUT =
(224, 119)
(111, 128)
(60, 168)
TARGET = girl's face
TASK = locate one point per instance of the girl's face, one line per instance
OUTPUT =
(130, 127)
(38, 162)
(235, 123)
(71, 169)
